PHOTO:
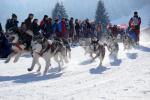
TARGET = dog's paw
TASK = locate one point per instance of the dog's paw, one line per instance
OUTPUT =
(6, 62)
(38, 71)
(45, 73)
(100, 65)
(29, 69)
(92, 60)
(15, 61)
(59, 69)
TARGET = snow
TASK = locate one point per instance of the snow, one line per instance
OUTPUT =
(126, 79)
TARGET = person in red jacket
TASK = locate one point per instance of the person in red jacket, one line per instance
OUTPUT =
(134, 24)
(43, 23)
(64, 29)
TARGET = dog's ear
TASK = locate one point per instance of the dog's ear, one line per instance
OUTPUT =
(91, 39)
(97, 41)
(43, 39)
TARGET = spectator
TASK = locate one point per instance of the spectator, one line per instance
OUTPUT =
(67, 27)
(12, 23)
(64, 28)
(71, 30)
(25, 37)
(35, 27)
(46, 26)
(1, 28)
(77, 29)
(99, 30)
(28, 22)
(56, 27)
(49, 28)
(43, 23)
(88, 28)
(5, 46)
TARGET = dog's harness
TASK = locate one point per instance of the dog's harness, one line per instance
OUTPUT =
(41, 53)
(18, 46)
(49, 46)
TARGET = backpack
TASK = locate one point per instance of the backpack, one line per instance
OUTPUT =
(135, 21)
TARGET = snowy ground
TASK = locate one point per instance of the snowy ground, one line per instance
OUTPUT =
(126, 79)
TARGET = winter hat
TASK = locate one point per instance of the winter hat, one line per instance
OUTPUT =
(71, 18)
(45, 16)
(14, 15)
(135, 13)
(50, 18)
(35, 20)
(31, 14)
(56, 18)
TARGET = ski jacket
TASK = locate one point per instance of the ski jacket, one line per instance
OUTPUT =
(64, 29)
(28, 23)
(35, 28)
(135, 22)
(11, 23)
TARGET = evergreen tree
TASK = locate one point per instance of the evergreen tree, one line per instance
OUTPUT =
(59, 11)
(101, 15)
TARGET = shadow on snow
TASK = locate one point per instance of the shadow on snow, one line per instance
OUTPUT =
(30, 77)
(143, 48)
(116, 62)
(86, 62)
(98, 70)
(132, 55)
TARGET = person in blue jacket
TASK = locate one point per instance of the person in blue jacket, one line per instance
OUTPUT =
(57, 27)
(5, 46)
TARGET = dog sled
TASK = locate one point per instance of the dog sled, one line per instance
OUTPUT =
(132, 35)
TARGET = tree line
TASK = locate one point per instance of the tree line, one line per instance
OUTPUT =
(101, 15)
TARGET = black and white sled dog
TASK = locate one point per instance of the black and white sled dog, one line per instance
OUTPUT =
(111, 42)
(65, 43)
(18, 45)
(41, 47)
(84, 43)
(37, 53)
(92, 46)
(48, 49)
(128, 43)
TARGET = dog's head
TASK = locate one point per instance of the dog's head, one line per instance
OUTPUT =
(36, 46)
(94, 44)
(12, 37)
